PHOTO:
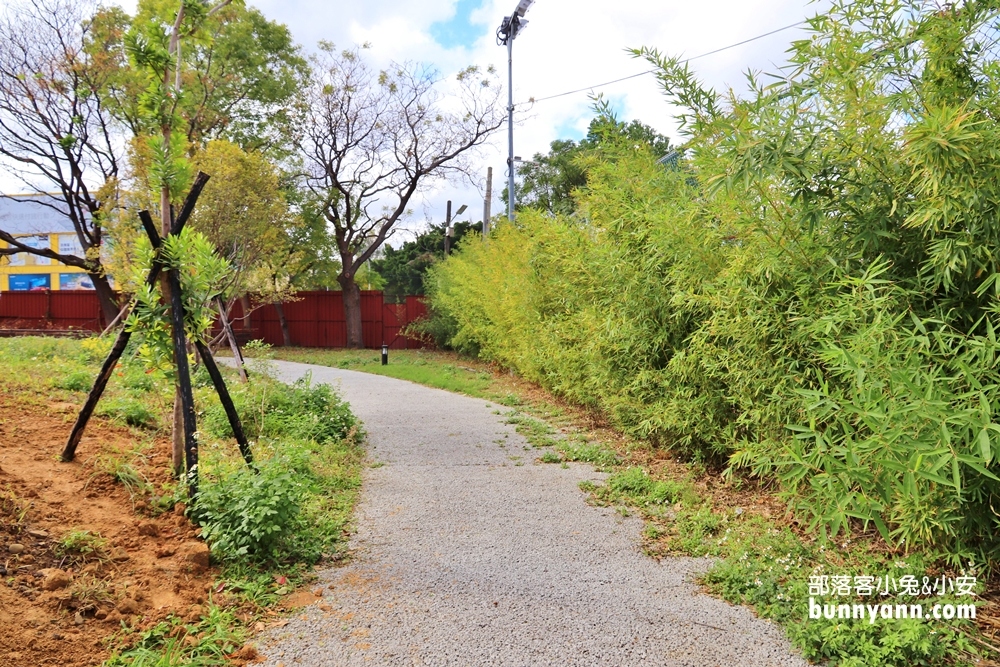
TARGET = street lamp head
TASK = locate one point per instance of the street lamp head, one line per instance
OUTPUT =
(523, 6)
(461, 209)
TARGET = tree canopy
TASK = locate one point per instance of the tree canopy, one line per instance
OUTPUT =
(548, 181)
(404, 269)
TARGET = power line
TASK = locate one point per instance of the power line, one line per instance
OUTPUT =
(686, 60)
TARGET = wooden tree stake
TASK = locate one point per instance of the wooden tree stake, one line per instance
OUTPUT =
(227, 328)
(184, 381)
(121, 342)
(227, 401)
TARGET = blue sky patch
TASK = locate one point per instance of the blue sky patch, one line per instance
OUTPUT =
(569, 129)
(459, 31)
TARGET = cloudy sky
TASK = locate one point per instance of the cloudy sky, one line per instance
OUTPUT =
(570, 44)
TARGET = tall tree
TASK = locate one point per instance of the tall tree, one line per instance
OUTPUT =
(548, 181)
(371, 139)
(71, 100)
(240, 71)
(56, 133)
(243, 212)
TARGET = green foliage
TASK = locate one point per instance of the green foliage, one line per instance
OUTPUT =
(426, 367)
(293, 509)
(75, 381)
(758, 563)
(252, 514)
(128, 410)
(808, 294)
(270, 409)
(81, 546)
(636, 487)
(549, 182)
(404, 269)
(202, 275)
(295, 504)
(205, 643)
(240, 71)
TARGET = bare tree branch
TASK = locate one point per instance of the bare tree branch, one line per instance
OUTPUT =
(371, 140)
(54, 132)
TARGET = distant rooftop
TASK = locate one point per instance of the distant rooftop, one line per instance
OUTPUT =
(33, 214)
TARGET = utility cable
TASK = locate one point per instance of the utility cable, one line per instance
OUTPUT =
(650, 71)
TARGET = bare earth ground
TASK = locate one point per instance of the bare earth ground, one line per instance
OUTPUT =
(470, 552)
(148, 568)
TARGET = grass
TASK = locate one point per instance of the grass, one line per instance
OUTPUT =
(173, 642)
(759, 561)
(126, 469)
(62, 369)
(79, 547)
(763, 563)
(441, 370)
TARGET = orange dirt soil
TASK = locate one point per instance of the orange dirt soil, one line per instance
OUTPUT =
(60, 610)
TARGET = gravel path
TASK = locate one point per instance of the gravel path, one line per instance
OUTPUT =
(465, 555)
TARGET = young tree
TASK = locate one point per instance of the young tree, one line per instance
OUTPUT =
(371, 139)
(55, 131)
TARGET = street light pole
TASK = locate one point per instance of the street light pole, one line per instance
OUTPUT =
(448, 230)
(509, 29)
(510, 125)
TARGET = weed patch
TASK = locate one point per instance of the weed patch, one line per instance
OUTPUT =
(767, 566)
(207, 643)
(79, 547)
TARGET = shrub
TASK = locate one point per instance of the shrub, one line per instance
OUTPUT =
(776, 303)
(252, 515)
(272, 409)
(128, 410)
(95, 349)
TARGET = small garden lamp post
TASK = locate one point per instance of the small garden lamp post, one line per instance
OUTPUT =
(385, 354)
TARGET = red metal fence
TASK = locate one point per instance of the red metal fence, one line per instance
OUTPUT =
(315, 319)
(50, 310)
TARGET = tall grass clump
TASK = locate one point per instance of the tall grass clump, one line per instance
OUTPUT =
(809, 294)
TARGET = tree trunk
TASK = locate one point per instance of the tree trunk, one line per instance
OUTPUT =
(105, 296)
(245, 302)
(352, 311)
(286, 336)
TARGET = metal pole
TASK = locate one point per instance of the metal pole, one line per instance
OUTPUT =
(447, 231)
(488, 203)
(510, 118)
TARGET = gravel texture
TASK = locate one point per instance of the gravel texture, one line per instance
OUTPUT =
(472, 553)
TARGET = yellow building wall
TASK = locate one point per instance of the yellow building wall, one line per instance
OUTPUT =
(32, 263)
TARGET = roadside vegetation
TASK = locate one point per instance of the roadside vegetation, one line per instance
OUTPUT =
(762, 557)
(265, 527)
(802, 298)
